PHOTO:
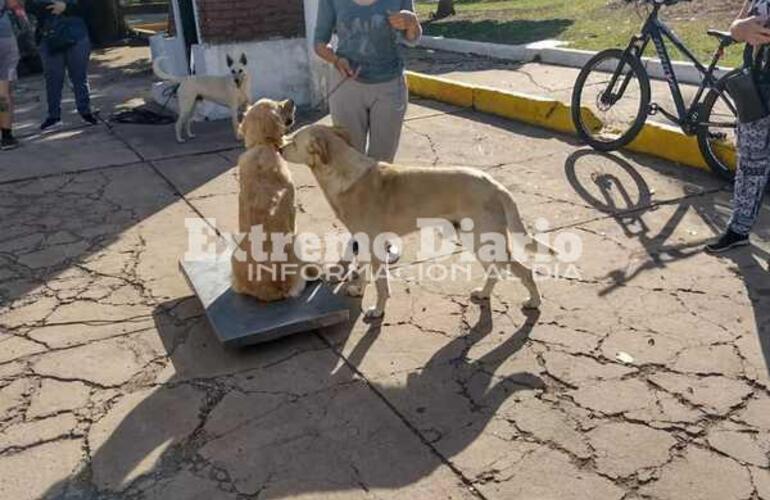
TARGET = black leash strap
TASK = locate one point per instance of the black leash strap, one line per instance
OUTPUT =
(146, 116)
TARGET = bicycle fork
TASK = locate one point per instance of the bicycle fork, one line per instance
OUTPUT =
(635, 49)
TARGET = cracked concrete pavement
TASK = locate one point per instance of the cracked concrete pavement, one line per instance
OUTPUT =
(644, 376)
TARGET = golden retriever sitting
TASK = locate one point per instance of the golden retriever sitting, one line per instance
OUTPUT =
(266, 199)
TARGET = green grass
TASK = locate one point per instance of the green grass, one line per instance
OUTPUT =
(585, 24)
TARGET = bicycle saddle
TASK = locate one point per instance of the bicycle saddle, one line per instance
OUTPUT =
(723, 36)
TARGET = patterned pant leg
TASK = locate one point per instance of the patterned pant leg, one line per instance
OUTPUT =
(752, 175)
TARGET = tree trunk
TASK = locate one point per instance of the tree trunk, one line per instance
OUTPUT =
(446, 8)
(106, 21)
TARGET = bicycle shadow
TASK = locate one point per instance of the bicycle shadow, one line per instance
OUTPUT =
(630, 215)
(659, 250)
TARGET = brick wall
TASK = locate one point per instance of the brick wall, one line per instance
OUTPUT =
(224, 21)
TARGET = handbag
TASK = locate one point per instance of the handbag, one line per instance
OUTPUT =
(746, 92)
(57, 34)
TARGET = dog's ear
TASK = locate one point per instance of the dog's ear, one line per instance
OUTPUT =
(343, 134)
(244, 61)
(243, 127)
(288, 105)
(230, 61)
(319, 149)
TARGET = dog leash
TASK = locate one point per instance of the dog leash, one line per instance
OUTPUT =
(341, 83)
(336, 88)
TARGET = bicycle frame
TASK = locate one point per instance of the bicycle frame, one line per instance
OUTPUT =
(656, 31)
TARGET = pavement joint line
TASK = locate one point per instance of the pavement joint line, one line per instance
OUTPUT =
(439, 114)
(448, 463)
(140, 161)
(165, 178)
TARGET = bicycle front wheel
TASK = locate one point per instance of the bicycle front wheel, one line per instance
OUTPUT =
(610, 100)
(717, 129)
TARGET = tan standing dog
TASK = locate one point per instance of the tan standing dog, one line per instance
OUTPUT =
(232, 91)
(376, 198)
(266, 199)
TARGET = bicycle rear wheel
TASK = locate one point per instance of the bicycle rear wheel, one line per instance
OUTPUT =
(610, 100)
(717, 138)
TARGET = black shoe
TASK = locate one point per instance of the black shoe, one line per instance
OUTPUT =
(729, 240)
(50, 123)
(8, 143)
(90, 118)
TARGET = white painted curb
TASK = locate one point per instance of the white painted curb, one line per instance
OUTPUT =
(549, 52)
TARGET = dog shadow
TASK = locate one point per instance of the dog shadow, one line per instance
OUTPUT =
(294, 416)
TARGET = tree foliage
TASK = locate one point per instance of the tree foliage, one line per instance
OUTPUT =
(106, 21)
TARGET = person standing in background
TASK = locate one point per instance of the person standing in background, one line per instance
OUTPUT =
(64, 44)
(372, 104)
(9, 60)
(753, 171)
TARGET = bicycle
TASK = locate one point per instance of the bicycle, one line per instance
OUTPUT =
(621, 73)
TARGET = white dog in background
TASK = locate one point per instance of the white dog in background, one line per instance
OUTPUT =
(232, 91)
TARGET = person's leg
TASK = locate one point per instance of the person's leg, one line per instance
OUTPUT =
(53, 69)
(388, 108)
(77, 58)
(750, 182)
(752, 174)
(6, 105)
(9, 60)
(349, 111)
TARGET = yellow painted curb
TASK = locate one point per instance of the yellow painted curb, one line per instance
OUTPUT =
(150, 27)
(535, 110)
(656, 139)
(669, 143)
(440, 89)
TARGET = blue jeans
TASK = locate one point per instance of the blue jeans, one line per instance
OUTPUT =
(75, 61)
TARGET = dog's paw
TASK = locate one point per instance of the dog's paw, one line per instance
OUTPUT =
(479, 294)
(373, 314)
(354, 290)
(532, 304)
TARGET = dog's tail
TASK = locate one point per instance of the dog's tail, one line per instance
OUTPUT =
(157, 67)
(516, 226)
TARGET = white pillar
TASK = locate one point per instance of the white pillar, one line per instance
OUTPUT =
(319, 70)
(172, 48)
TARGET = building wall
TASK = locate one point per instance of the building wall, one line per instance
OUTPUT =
(280, 67)
(225, 21)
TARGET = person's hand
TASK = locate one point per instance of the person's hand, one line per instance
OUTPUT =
(750, 30)
(403, 20)
(18, 9)
(343, 66)
(57, 8)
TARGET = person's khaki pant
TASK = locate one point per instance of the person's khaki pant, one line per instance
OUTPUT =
(373, 111)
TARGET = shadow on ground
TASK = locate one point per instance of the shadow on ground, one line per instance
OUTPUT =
(516, 32)
(305, 426)
(628, 212)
